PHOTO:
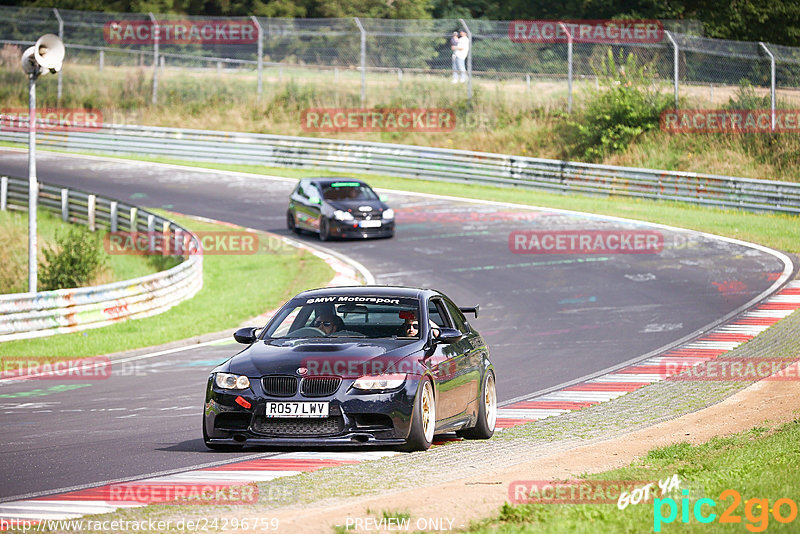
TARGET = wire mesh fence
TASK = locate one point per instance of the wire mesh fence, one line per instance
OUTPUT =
(371, 52)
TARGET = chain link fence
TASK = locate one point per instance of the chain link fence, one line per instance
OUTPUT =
(367, 53)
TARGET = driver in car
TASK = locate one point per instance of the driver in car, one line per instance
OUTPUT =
(328, 324)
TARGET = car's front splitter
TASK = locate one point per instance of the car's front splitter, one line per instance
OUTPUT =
(354, 439)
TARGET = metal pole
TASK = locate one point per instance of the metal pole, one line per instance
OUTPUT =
(772, 81)
(569, 66)
(260, 53)
(469, 59)
(60, 36)
(155, 57)
(363, 60)
(33, 186)
(675, 64)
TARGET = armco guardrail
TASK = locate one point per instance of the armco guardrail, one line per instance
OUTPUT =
(28, 315)
(428, 163)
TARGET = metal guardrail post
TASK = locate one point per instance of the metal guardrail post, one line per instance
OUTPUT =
(4, 193)
(151, 228)
(363, 60)
(260, 54)
(569, 66)
(156, 38)
(65, 204)
(675, 64)
(91, 211)
(60, 36)
(772, 80)
(134, 213)
(102, 60)
(469, 59)
(113, 209)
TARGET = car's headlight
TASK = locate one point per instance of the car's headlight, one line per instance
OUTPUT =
(341, 215)
(388, 213)
(379, 382)
(230, 381)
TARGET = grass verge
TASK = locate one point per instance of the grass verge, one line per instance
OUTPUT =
(235, 288)
(757, 465)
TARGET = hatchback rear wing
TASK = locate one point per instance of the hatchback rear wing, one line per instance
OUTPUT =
(470, 309)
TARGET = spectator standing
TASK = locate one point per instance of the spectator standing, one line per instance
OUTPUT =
(453, 46)
(462, 51)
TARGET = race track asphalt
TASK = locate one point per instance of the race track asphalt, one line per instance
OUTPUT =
(548, 318)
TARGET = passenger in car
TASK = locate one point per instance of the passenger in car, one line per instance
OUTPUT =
(411, 325)
(411, 328)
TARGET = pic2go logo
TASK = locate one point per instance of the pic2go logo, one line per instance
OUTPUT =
(756, 511)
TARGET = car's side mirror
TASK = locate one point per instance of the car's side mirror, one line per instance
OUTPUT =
(383, 198)
(245, 335)
(315, 200)
(448, 335)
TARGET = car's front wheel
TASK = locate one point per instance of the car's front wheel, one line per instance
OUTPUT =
(487, 412)
(291, 224)
(423, 419)
(324, 229)
(218, 446)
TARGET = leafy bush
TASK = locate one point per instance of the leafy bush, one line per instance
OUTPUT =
(74, 262)
(747, 98)
(627, 105)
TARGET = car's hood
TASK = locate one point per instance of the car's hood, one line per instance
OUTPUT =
(354, 205)
(349, 358)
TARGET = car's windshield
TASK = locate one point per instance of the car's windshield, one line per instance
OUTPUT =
(348, 191)
(347, 316)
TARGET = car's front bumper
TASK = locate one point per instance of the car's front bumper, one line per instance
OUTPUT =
(356, 418)
(353, 230)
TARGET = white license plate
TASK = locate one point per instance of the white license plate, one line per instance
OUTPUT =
(370, 224)
(297, 409)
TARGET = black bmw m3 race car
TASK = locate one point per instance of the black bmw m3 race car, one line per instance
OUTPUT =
(363, 365)
(338, 207)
